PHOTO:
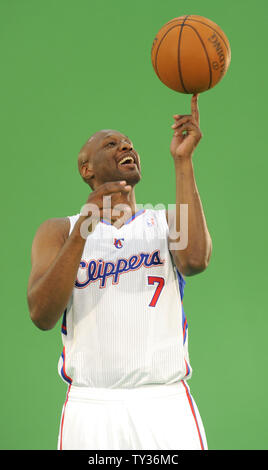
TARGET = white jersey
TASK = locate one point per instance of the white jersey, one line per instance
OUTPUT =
(124, 325)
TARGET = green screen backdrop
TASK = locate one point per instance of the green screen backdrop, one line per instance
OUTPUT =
(70, 68)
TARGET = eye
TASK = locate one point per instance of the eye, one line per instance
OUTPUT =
(110, 144)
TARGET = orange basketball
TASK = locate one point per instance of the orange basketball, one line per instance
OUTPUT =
(190, 54)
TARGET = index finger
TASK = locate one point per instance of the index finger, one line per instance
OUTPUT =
(194, 107)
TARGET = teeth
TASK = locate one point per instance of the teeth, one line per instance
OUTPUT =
(125, 159)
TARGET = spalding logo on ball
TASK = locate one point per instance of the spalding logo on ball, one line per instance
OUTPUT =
(190, 54)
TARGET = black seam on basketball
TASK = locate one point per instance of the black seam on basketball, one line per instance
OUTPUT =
(202, 42)
(215, 31)
(179, 21)
(160, 42)
(179, 53)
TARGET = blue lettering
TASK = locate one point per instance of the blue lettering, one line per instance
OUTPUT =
(101, 270)
(120, 269)
(155, 258)
(92, 270)
(132, 261)
(78, 284)
(107, 272)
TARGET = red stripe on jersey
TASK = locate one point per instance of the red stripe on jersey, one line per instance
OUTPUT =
(63, 414)
(193, 412)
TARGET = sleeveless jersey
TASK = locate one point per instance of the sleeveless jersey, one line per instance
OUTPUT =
(124, 325)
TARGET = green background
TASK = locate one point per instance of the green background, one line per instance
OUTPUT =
(70, 68)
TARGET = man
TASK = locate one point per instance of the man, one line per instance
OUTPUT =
(117, 282)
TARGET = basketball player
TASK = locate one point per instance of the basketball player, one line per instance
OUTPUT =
(118, 291)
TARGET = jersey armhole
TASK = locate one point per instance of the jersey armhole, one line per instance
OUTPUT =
(180, 277)
(72, 219)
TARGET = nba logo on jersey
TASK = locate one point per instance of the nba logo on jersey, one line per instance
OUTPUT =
(118, 242)
(150, 221)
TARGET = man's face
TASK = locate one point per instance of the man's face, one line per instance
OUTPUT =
(113, 158)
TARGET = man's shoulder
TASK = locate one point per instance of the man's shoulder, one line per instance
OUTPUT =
(55, 226)
(169, 214)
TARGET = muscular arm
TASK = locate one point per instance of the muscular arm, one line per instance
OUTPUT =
(195, 257)
(55, 262)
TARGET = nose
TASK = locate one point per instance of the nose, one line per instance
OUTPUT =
(124, 145)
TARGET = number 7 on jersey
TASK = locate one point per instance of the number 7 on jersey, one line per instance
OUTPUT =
(160, 281)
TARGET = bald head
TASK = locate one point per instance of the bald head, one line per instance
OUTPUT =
(86, 151)
(85, 154)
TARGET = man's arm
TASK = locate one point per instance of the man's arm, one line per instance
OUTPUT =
(55, 262)
(195, 257)
(56, 257)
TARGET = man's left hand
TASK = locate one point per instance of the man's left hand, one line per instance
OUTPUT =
(187, 133)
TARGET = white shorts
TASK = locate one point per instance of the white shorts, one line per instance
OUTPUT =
(154, 417)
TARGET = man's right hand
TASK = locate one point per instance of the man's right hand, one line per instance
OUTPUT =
(109, 202)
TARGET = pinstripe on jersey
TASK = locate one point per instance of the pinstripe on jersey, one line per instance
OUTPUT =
(124, 325)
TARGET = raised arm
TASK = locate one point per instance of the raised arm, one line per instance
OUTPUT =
(195, 257)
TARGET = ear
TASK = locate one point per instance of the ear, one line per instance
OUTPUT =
(86, 172)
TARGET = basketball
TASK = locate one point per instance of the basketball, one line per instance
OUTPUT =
(190, 54)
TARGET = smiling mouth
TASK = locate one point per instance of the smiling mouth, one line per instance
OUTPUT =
(127, 160)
